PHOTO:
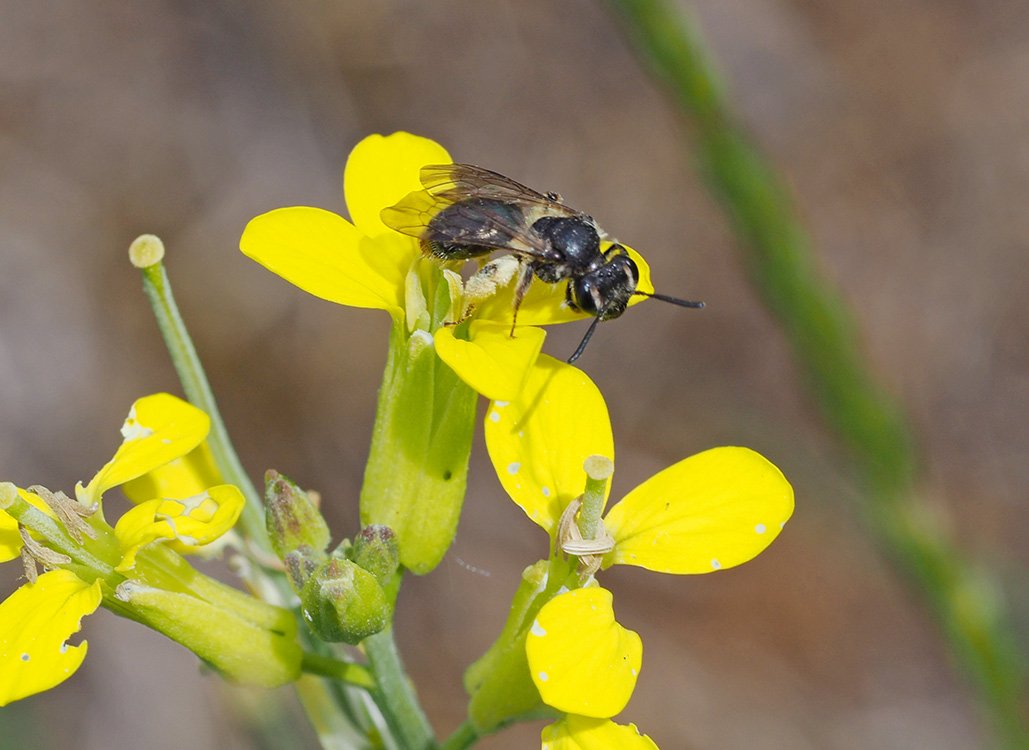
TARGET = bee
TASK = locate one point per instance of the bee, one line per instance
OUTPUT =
(466, 212)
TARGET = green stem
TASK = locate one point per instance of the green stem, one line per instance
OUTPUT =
(825, 339)
(344, 671)
(395, 694)
(198, 391)
(463, 737)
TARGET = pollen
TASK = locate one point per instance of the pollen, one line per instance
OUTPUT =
(760, 528)
(715, 565)
(513, 468)
(543, 676)
(494, 416)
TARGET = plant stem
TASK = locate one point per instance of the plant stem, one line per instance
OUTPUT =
(198, 391)
(344, 671)
(395, 694)
(463, 737)
(825, 340)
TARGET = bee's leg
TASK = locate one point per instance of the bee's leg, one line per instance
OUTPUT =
(485, 282)
(521, 287)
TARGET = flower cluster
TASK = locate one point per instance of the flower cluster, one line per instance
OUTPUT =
(561, 654)
(135, 567)
(708, 512)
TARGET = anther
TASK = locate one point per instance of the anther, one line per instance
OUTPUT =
(69, 512)
(33, 552)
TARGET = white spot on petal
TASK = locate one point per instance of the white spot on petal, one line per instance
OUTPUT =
(543, 676)
(513, 468)
(501, 404)
(715, 565)
(546, 492)
(537, 629)
(494, 416)
(760, 528)
(634, 672)
(25, 657)
(132, 429)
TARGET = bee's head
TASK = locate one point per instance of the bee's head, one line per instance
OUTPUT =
(605, 292)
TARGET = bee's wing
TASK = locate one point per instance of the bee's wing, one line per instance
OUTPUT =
(448, 185)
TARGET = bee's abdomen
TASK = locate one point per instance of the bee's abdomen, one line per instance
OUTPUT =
(471, 228)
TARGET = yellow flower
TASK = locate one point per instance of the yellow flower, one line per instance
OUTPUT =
(363, 263)
(705, 513)
(37, 620)
(583, 733)
(581, 660)
(585, 664)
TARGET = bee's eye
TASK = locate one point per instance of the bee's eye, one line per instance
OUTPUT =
(631, 269)
(580, 295)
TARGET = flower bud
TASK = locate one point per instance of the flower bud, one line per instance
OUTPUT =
(292, 519)
(375, 550)
(234, 643)
(342, 601)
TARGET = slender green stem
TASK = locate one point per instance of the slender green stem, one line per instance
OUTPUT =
(198, 391)
(823, 334)
(345, 671)
(395, 694)
(463, 737)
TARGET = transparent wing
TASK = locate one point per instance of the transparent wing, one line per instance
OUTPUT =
(476, 208)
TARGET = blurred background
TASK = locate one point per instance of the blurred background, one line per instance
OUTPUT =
(902, 130)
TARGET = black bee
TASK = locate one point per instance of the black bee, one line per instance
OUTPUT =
(467, 212)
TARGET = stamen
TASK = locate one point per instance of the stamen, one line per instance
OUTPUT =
(45, 556)
(69, 512)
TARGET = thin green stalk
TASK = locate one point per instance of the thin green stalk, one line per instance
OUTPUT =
(198, 391)
(825, 339)
(344, 671)
(463, 737)
(395, 695)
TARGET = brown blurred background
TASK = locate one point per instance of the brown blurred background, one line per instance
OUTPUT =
(902, 127)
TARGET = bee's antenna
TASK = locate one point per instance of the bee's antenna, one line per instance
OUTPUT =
(673, 300)
(585, 340)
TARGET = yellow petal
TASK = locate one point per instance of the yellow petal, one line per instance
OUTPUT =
(35, 622)
(159, 428)
(580, 659)
(545, 304)
(325, 255)
(583, 733)
(182, 477)
(381, 170)
(713, 510)
(539, 441)
(10, 539)
(189, 523)
(492, 362)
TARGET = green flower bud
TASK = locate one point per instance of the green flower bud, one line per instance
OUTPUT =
(499, 683)
(375, 550)
(300, 564)
(417, 468)
(342, 601)
(233, 642)
(292, 519)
